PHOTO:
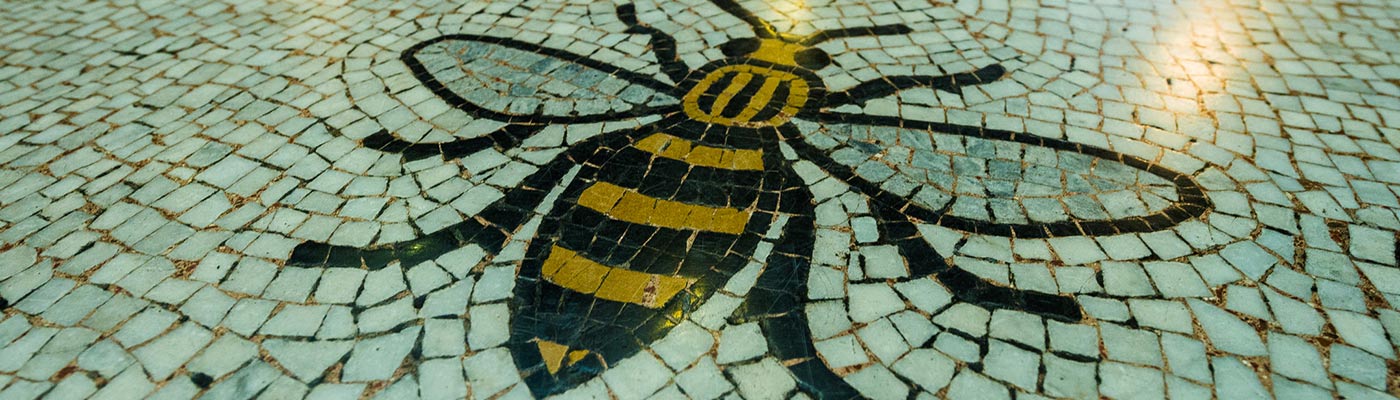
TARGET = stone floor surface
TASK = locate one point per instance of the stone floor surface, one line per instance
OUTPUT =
(966, 199)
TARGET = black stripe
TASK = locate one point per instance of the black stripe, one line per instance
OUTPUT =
(780, 99)
(669, 179)
(744, 97)
(706, 102)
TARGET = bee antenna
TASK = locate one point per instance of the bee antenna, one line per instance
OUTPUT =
(878, 30)
(761, 28)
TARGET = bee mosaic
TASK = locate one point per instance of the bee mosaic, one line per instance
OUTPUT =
(657, 219)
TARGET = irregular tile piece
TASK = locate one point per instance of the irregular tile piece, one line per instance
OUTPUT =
(1226, 331)
(306, 360)
(378, 358)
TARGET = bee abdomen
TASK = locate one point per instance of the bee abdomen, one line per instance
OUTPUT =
(664, 238)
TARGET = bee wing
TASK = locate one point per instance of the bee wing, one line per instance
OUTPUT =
(997, 182)
(512, 81)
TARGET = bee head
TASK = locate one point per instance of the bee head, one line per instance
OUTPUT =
(767, 79)
(777, 51)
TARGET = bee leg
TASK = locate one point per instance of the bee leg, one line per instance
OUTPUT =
(888, 85)
(662, 44)
(897, 229)
(776, 303)
(489, 229)
(502, 139)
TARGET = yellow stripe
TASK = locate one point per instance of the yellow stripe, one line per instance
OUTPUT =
(676, 148)
(760, 99)
(630, 206)
(722, 101)
(601, 197)
(577, 273)
(797, 96)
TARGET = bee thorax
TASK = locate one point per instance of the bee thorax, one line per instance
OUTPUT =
(746, 95)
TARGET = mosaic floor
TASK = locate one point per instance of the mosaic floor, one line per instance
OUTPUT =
(971, 199)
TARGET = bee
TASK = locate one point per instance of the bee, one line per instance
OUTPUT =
(655, 220)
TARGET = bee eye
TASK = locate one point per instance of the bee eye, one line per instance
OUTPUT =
(812, 58)
(739, 47)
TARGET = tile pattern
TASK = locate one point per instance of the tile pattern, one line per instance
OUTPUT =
(702, 199)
